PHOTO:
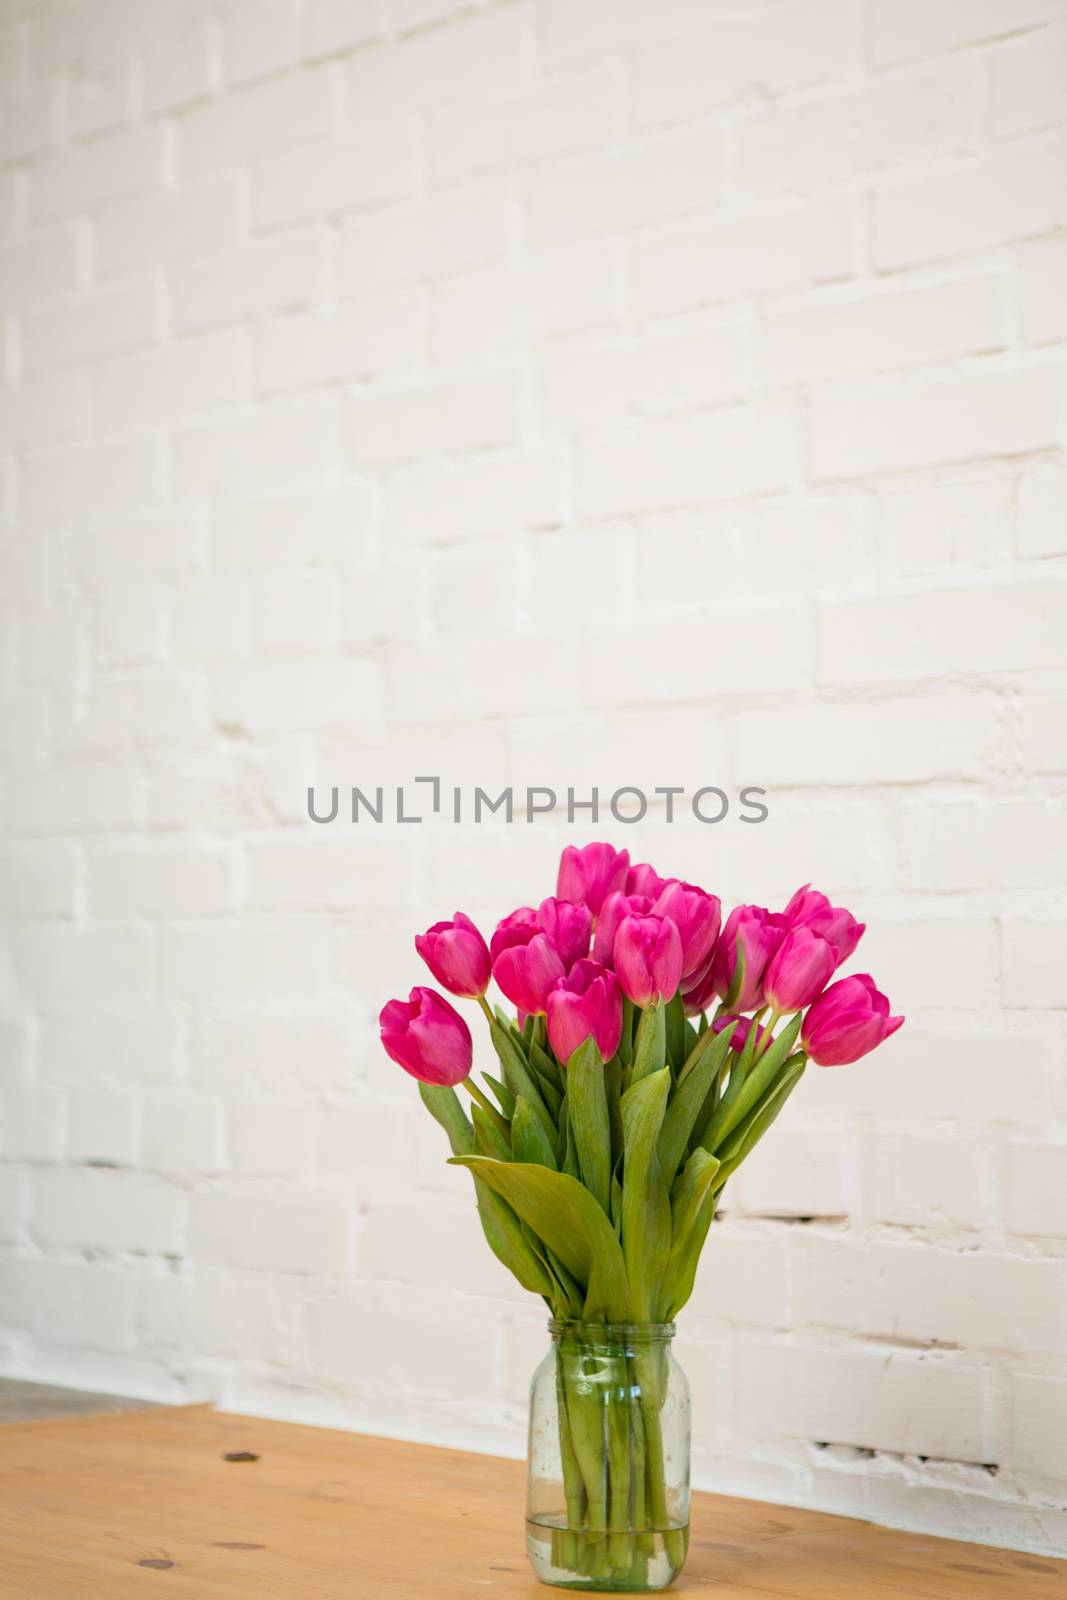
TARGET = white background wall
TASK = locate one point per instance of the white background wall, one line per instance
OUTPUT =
(555, 391)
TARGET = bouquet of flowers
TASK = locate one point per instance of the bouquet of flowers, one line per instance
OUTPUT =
(651, 1047)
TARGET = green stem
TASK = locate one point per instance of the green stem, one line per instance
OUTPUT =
(487, 1011)
(573, 1487)
(620, 1546)
(488, 1107)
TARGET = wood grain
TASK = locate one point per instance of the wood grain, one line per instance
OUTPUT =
(145, 1504)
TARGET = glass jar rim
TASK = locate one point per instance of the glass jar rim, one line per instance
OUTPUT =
(629, 1332)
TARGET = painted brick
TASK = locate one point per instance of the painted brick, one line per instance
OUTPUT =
(718, 456)
(580, 200)
(842, 337)
(873, 1399)
(434, 236)
(364, 339)
(568, 113)
(284, 112)
(905, 29)
(743, 57)
(440, 503)
(892, 121)
(702, 262)
(275, 275)
(860, 430)
(451, 418)
(1041, 272)
(1033, 951)
(1007, 194)
(132, 235)
(1028, 79)
(980, 629)
(891, 741)
(1036, 1190)
(479, 316)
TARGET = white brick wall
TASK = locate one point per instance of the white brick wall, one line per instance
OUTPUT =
(557, 392)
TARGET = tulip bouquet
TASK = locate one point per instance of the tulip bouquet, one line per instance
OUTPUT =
(651, 1048)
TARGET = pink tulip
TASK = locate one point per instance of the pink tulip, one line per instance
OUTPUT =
(526, 973)
(643, 879)
(518, 927)
(810, 909)
(850, 1018)
(615, 907)
(800, 969)
(697, 916)
(698, 991)
(568, 924)
(591, 873)
(760, 932)
(648, 958)
(739, 1037)
(427, 1037)
(456, 954)
(586, 1004)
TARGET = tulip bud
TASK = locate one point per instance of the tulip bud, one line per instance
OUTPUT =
(456, 954)
(648, 958)
(800, 969)
(518, 927)
(697, 916)
(759, 933)
(591, 873)
(427, 1037)
(568, 924)
(526, 973)
(615, 908)
(848, 1019)
(645, 880)
(742, 1026)
(698, 991)
(586, 1004)
(810, 909)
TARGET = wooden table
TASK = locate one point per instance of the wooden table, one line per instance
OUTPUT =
(148, 1505)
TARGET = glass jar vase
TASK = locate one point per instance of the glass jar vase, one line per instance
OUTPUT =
(607, 1504)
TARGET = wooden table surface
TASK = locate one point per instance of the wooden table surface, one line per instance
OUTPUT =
(147, 1505)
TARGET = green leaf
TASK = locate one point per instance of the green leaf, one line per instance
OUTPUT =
(569, 1164)
(756, 1124)
(519, 1077)
(626, 1039)
(646, 1210)
(681, 1271)
(738, 983)
(650, 1046)
(529, 1141)
(568, 1219)
(502, 1228)
(587, 1103)
(616, 1198)
(613, 1090)
(735, 1106)
(547, 1067)
(505, 1237)
(571, 1293)
(503, 1094)
(488, 1140)
(545, 1077)
(687, 1196)
(674, 1019)
(706, 1039)
(444, 1106)
(688, 1099)
(693, 1202)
